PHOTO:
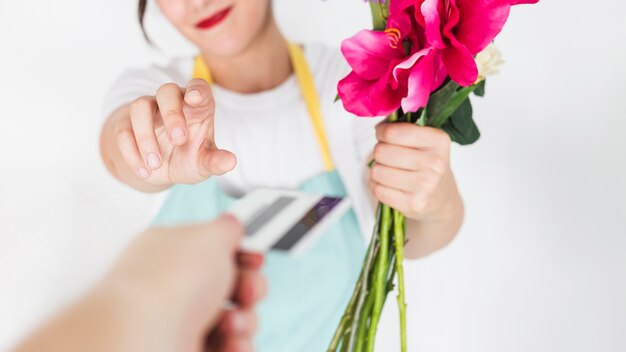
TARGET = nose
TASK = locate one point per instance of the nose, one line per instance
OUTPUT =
(198, 4)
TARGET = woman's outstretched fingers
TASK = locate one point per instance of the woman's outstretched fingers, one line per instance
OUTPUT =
(200, 107)
(142, 114)
(170, 100)
(128, 148)
(198, 95)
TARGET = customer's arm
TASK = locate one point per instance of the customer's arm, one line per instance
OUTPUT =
(166, 293)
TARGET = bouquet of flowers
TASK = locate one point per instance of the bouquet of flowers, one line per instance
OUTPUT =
(419, 65)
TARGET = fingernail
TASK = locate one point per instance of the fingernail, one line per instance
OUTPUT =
(143, 172)
(194, 97)
(154, 161)
(177, 133)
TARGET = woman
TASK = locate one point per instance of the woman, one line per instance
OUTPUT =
(270, 103)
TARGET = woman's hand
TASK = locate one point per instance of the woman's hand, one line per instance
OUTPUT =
(412, 163)
(412, 174)
(169, 138)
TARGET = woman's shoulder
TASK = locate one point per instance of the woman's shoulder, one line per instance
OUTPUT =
(324, 58)
(327, 65)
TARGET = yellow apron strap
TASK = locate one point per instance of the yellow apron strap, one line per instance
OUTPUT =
(309, 93)
(200, 70)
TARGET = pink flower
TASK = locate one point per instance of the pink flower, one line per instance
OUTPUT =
(370, 89)
(422, 71)
(383, 76)
(443, 37)
(461, 29)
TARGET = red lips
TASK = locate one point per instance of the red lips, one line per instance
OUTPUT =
(214, 20)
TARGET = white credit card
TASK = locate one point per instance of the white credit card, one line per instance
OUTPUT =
(288, 221)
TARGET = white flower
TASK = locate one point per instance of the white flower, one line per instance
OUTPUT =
(489, 62)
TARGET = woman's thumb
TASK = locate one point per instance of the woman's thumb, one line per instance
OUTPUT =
(216, 162)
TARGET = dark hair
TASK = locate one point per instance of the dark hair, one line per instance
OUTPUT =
(141, 15)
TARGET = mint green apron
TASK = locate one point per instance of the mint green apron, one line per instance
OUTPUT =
(307, 293)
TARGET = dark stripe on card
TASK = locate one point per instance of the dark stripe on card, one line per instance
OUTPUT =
(267, 214)
(308, 221)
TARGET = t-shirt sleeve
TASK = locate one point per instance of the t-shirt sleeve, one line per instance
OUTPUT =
(364, 132)
(365, 136)
(135, 83)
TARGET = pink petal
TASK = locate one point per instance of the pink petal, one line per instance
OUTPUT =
(369, 98)
(432, 21)
(481, 21)
(369, 53)
(402, 22)
(421, 82)
(402, 70)
(519, 2)
(409, 8)
(396, 7)
(440, 72)
(460, 65)
(453, 17)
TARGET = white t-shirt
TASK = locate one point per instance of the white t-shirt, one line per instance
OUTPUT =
(271, 132)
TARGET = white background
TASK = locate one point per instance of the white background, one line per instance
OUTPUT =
(540, 264)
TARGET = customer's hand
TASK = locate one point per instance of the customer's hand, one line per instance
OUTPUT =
(189, 273)
(168, 292)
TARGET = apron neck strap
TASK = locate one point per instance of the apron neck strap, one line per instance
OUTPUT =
(309, 94)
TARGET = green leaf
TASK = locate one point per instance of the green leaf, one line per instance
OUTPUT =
(337, 98)
(438, 100)
(446, 101)
(461, 126)
(480, 88)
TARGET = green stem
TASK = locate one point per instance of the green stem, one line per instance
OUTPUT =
(392, 273)
(393, 117)
(379, 17)
(379, 276)
(399, 236)
(365, 275)
(367, 310)
(344, 345)
(361, 288)
(345, 319)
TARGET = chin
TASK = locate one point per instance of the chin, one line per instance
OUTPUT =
(224, 47)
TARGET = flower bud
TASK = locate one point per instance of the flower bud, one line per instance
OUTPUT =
(489, 62)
